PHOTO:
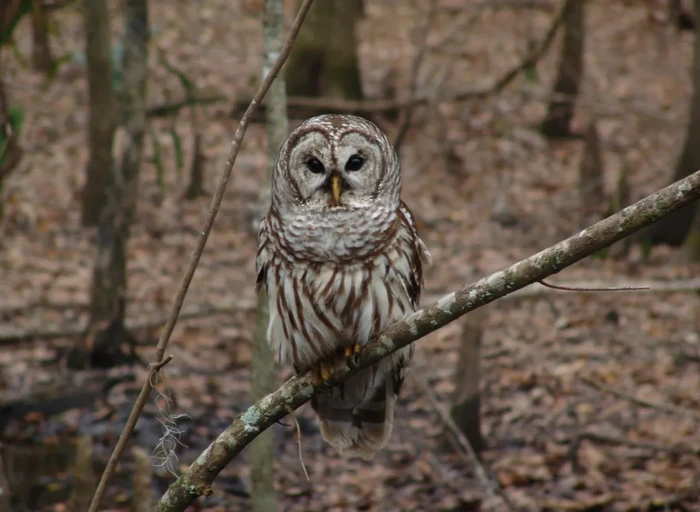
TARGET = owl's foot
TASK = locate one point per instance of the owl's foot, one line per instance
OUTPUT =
(321, 374)
(351, 355)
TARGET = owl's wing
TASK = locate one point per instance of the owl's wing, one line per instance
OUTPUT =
(417, 255)
(264, 256)
(420, 246)
(410, 271)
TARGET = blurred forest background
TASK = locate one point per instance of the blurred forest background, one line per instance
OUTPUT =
(518, 123)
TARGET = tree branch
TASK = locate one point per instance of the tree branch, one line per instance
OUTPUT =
(12, 336)
(197, 479)
(672, 409)
(374, 106)
(169, 109)
(196, 254)
(491, 487)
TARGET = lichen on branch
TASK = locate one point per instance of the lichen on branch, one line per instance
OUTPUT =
(298, 390)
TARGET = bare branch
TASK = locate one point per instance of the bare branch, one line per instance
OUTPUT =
(472, 458)
(12, 335)
(640, 401)
(417, 64)
(171, 109)
(593, 289)
(651, 286)
(197, 479)
(623, 441)
(301, 452)
(196, 254)
(374, 106)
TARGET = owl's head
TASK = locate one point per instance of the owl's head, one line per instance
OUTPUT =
(336, 161)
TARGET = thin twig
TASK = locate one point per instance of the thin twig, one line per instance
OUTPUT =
(417, 64)
(655, 286)
(472, 459)
(374, 106)
(12, 336)
(623, 441)
(640, 401)
(197, 478)
(196, 254)
(301, 455)
(585, 289)
(169, 109)
(156, 367)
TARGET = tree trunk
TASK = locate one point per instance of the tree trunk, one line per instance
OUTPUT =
(692, 242)
(41, 51)
(466, 401)
(142, 480)
(591, 192)
(557, 123)
(324, 60)
(5, 491)
(673, 229)
(10, 150)
(83, 476)
(263, 498)
(195, 188)
(108, 293)
(619, 199)
(102, 110)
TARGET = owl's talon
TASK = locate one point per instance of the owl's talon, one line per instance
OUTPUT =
(351, 355)
(325, 373)
(321, 375)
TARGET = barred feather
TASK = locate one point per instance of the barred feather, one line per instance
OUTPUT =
(338, 276)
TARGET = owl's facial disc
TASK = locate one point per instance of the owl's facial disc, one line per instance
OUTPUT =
(331, 169)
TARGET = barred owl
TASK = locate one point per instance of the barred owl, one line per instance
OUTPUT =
(341, 260)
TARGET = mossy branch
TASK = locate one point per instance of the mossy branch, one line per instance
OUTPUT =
(197, 479)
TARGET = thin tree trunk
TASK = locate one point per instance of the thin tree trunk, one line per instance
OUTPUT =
(692, 242)
(5, 491)
(674, 229)
(83, 476)
(619, 199)
(142, 480)
(263, 498)
(557, 123)
(466, 402)
(41, 51)
(324, 61)
(591, 192)
(195, 188)
(108, 293)
(102, 109)
(10, 150)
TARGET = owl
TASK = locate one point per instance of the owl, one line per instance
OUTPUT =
(341, 260)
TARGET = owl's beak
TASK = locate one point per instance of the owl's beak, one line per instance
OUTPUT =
(336, 187)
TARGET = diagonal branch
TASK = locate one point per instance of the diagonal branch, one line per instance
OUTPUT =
(197, 479)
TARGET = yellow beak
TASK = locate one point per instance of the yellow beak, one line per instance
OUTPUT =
(335, 187)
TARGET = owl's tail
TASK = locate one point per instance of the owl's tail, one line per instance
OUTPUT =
(356, 430)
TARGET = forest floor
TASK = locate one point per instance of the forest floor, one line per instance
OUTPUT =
(560, 371)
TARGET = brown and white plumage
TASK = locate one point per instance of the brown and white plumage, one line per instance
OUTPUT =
(341, 260)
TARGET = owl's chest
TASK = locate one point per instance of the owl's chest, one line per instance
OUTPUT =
(337, 235)
(345, 302)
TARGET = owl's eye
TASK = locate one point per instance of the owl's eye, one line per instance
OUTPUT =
(354, 163)
(315, 165)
